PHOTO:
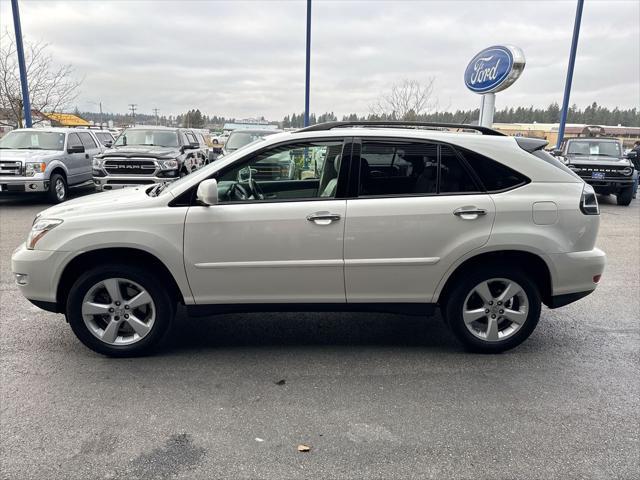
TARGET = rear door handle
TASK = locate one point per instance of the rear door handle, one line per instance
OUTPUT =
(469, 213)
(323, 218)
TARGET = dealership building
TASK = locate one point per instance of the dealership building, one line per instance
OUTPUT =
(549, 131)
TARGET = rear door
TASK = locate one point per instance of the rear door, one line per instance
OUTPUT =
(91, 148)
(418, 208)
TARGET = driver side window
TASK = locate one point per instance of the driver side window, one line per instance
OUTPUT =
(286, 172)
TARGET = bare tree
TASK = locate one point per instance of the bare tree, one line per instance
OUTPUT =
(52, 88)
(406, 100)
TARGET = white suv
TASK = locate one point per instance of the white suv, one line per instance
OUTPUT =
(385, 217)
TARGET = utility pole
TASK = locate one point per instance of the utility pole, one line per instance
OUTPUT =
(132, 107)
(26, 102)
(155, 111)
(572, 62)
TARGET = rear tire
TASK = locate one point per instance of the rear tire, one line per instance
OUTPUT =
(624, 196)
(485, 320)
(120, 310)
(58, 189)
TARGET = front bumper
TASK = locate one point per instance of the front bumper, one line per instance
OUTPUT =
(576, 272)
(114, 182)
(39, 272)
(23, 185)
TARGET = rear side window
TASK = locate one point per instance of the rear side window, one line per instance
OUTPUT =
(191, 138)
(493, 175)
(87, 140)
(403, 168)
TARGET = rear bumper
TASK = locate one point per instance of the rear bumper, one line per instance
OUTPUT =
(574, 274)
(23, 185)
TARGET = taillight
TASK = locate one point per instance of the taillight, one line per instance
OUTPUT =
(588, 201)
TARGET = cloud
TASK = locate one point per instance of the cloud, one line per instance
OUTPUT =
(247, 58)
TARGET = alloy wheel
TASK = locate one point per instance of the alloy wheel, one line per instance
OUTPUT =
(495, 309)
(60, 189)
(118, 311)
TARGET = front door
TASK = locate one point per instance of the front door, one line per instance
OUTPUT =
(409, 220)
(276, 234)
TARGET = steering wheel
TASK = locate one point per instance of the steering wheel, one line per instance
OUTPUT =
(256, 189)
(238, 192)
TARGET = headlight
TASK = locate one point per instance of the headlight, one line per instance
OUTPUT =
(626, 171)
(32, 168)
(40, 229)
(169, 164)
(97, 162)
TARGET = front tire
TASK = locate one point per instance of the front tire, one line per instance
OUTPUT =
(493, 309)
(624, 196)
(58, 189)
(120, 310)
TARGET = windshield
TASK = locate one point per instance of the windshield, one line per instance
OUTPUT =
(242, 139)
(609, 149)
(156, 138)
(33, 140)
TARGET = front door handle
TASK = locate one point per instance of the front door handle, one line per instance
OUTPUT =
(469, 213)
(323, 218)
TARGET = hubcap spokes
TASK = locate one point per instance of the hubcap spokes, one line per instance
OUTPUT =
(118, 311)
(495, 309)
(60, 189)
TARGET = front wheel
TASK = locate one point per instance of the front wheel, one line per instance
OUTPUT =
(58, 189)
(493, 309)
(624, 196)
(119, 310)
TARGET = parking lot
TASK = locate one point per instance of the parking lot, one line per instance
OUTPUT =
(372, 395)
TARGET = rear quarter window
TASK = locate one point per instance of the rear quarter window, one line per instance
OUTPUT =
(495, 176)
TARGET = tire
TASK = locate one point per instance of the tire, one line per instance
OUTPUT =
(624, 196)
(153, 317)
(525, 306)
(58, 188)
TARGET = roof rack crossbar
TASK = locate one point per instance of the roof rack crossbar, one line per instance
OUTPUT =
(400, 124)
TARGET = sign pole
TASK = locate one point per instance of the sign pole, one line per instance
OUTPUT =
(307, 66)
(572, 61)
(487, 109)
(26, 103)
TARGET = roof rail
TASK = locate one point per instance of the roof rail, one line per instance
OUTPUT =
(401, 124)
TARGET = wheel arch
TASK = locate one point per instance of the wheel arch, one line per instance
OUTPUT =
(112, 255)
(529, 262)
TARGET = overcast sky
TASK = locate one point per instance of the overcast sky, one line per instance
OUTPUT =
(246, 59)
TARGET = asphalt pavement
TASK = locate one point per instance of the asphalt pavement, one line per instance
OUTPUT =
(372, 395)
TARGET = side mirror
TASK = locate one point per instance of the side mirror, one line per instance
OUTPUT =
(556, 152)
(108, 144)
(207, 192)
(632, 155)
(76, 149)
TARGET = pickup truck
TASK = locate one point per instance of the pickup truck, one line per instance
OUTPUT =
(145, 155)
(601, 163)
(46, 160)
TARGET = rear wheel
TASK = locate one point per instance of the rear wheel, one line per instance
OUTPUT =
(493, 309)
(624, 196)
(58, 189)
(119, 310)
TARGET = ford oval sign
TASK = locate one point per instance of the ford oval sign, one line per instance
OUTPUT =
(494, 69)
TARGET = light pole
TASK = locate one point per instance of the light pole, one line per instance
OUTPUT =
(307, 66)
(26, 103)
(572, 62)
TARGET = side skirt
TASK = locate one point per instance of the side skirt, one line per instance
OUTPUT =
(418, 309)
